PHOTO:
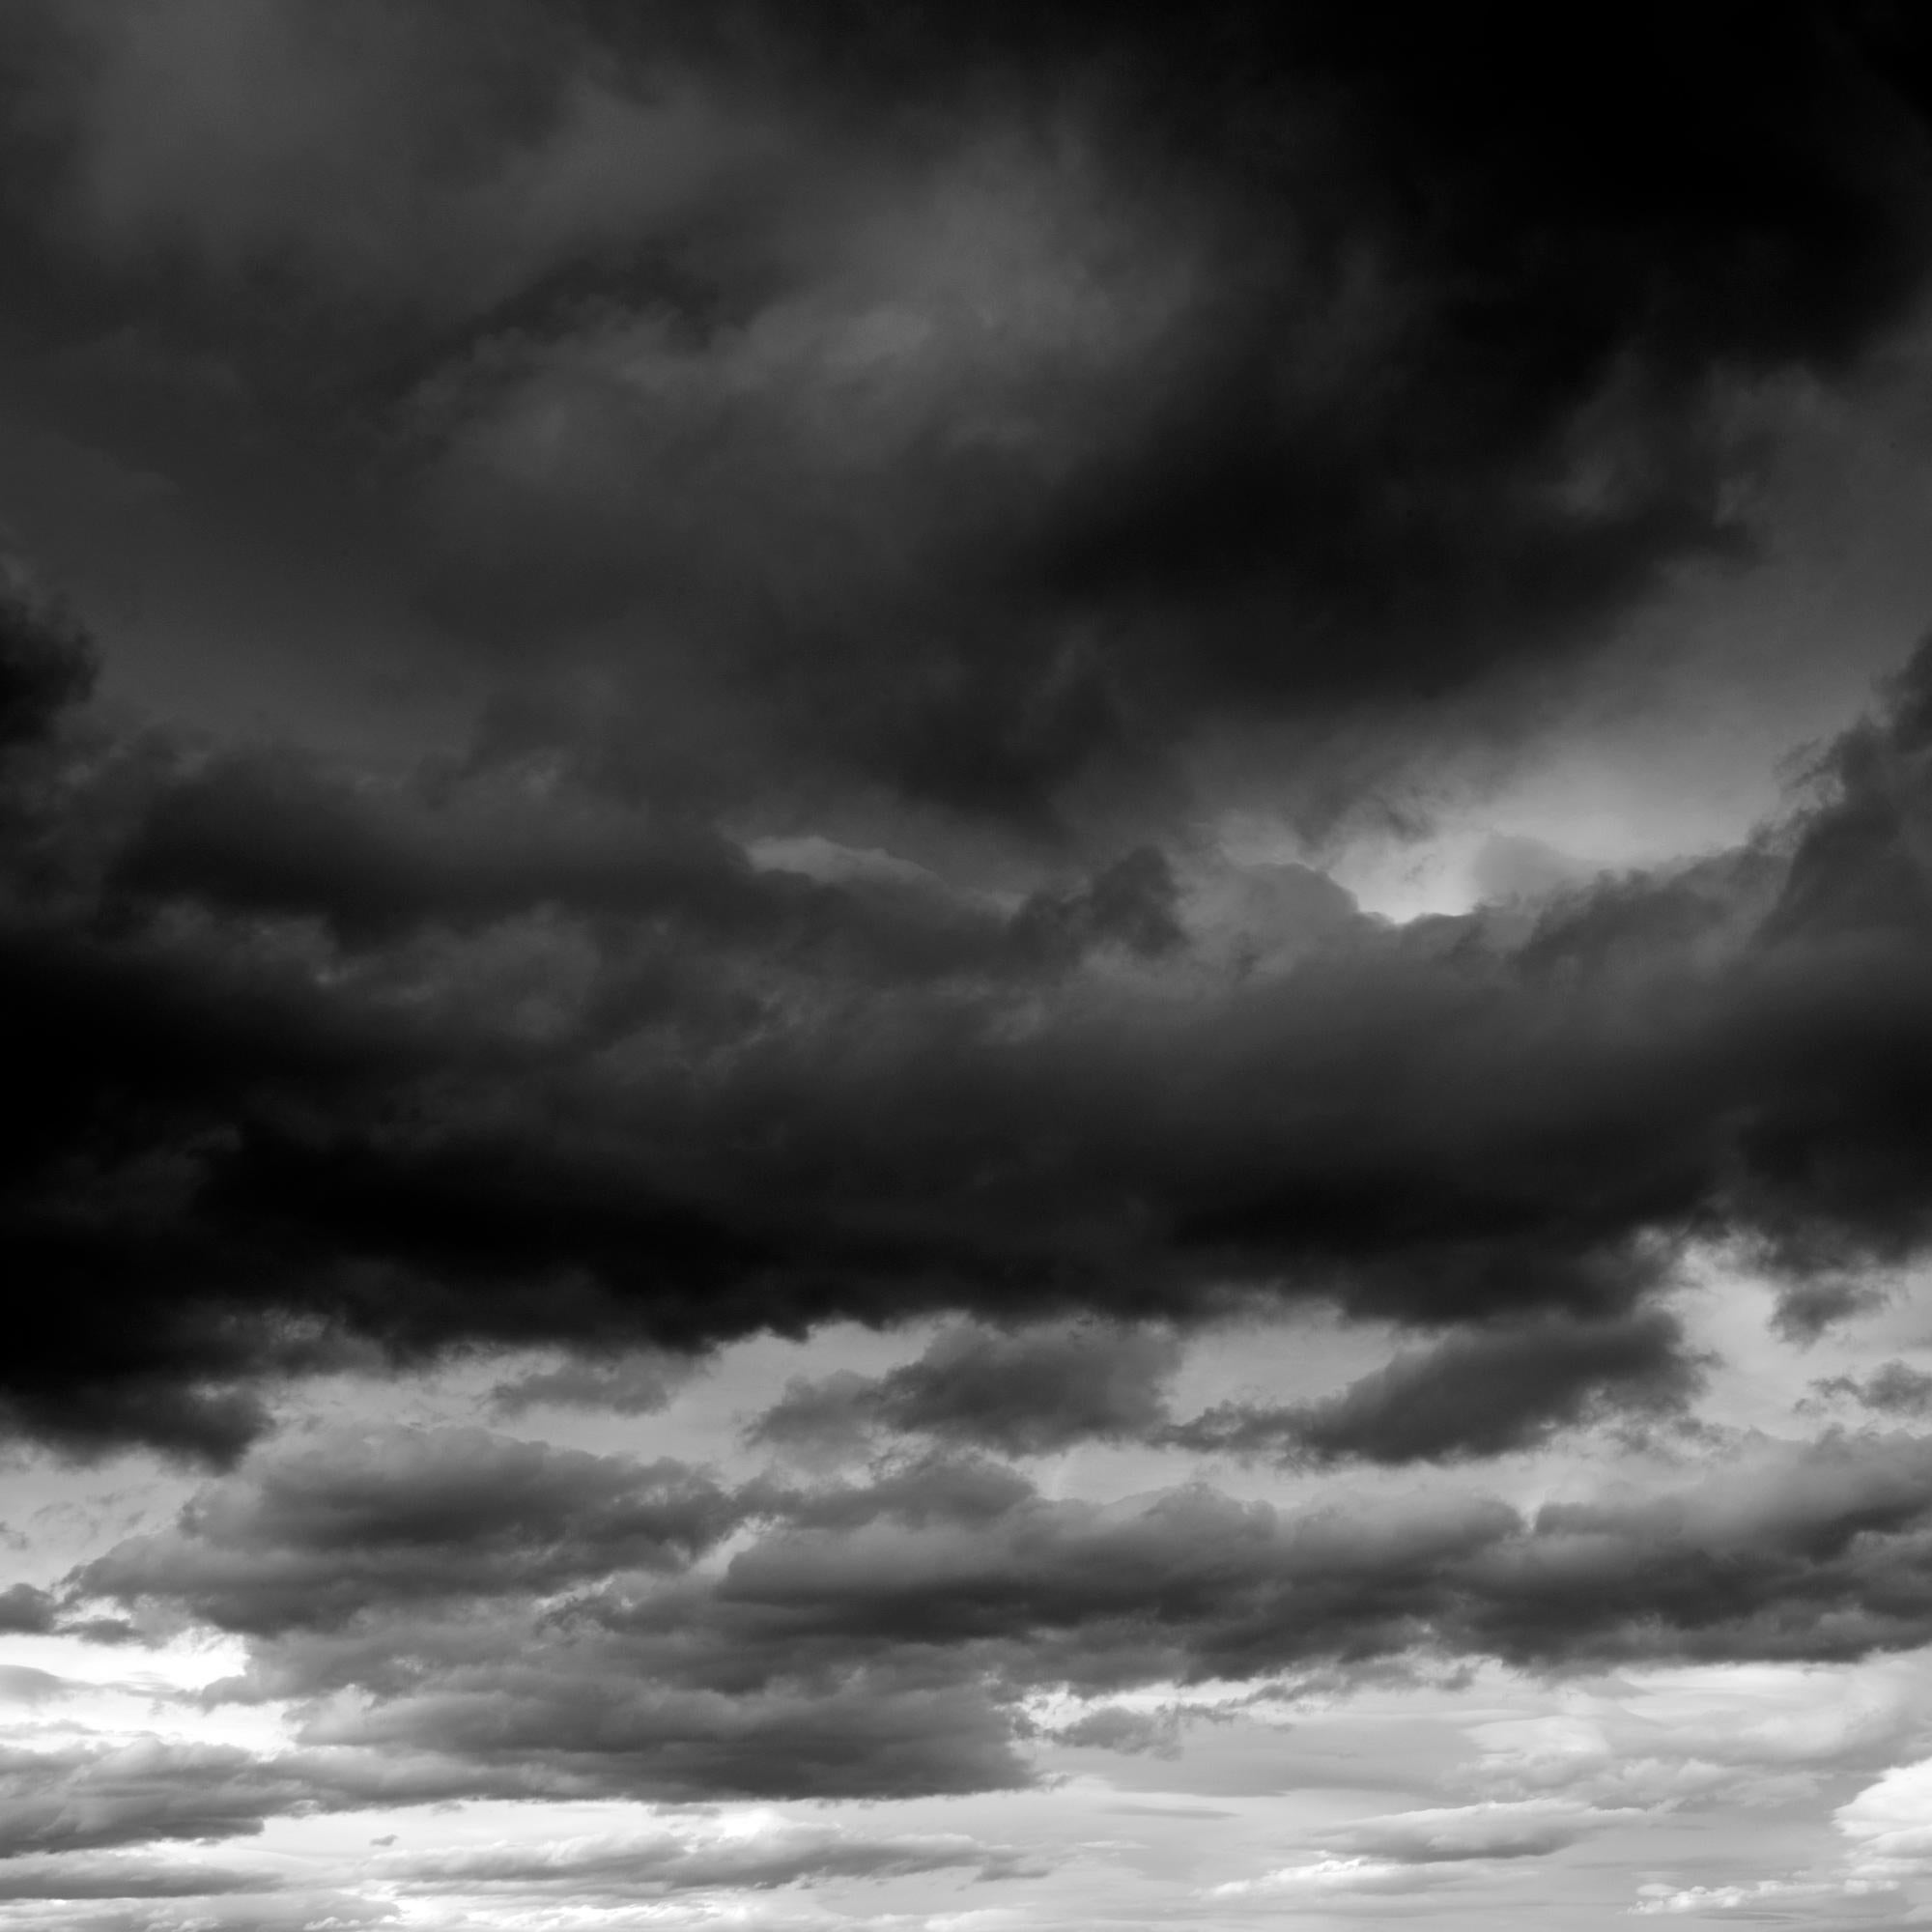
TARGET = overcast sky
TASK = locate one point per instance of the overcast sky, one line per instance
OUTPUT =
(965, 967)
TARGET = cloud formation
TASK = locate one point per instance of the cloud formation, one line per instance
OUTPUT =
(1479, 1393)
(721, 681)
(512, 1630)
(683, 1107)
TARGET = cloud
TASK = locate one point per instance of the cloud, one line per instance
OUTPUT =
(88, 1798)
(961, 487)
(856, 516)
(1801, 1898)
(47, 660)
(761, 1101)
(757, 1851)
(92, 1797)
(1140, 421)
(1892, 1388)
(1028, 1393)
(635, 1385)
(1527, 1829)
(1037, 1391)
(26, 1609)
(1482, 1392)
(20, 1684)
(1327, 1876)
(497, 1624)
(985, 412)
(383, 158)
(307, 1534)
(106, 1876)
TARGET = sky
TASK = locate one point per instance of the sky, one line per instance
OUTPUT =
(965, 968)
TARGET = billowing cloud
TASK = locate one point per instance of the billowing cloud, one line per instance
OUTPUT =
(984, 464)
(680, 1120)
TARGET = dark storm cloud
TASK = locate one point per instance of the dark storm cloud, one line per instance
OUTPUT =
(1127, 375)
(984, 401)
(1277, 360)
(240, 1134)
(888, 1651)
(1483, 1393)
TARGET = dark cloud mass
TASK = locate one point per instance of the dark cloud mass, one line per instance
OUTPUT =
(250, 1122)
(981, 400)
(674, 625)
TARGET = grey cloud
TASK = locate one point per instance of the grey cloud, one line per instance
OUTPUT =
(524, 1048)
(855, 1732)
(869, 1647)
(1892, 1388)
(980, 403)
(1115, 1727)
(94, 1797)
(637, 1385)
(88, 1798)
(651, 1865)
(20, 1684)
(1526, 1829)
(311, 1533)
(26, 1609)
(1033, 1391)
(1481, 1393)
(1025, 1393)
(108, 1875)
(47, 662)
(388, 159)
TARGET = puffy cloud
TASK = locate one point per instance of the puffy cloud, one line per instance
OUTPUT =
(1797, 1899)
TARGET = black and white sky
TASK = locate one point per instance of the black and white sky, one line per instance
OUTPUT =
(965, 967)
